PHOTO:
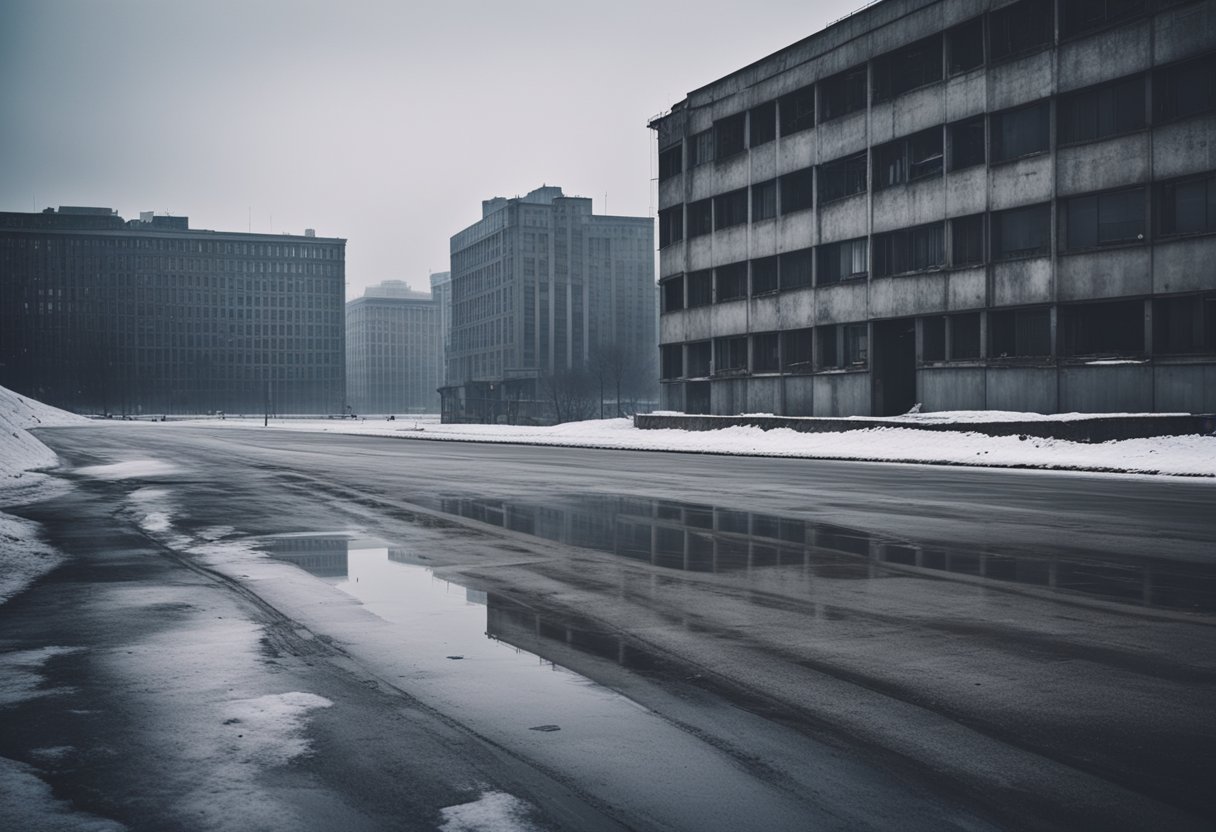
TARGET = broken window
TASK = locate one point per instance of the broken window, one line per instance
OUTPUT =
(967, 146)
(1110, 110)
(671, 162)
(795, 270)
(762, 124)
(1020, 28)
(765, 356)
(671, 225)
(797, 192)
(731, 281)
(1103, 219)
(965, 46)
(841, 261)
(764, 200)
(1021, 232)
(796, 351)
(1017, 333)
(673, 294)
(964, 336)
(844, 93)
(698, 357)
(730, 355)
(915, 65)
(933, 338)
(1184, 325)
(1185, 89)
(730, 209)
(843, 177)
(827, 355)
(856, 344)
(729, 136)
(764, 275)
(1021, 132)
(701, 148)
(1187, 207)
(672, 360)
(798, 110)
(700, 217)
(1115, 328)
(910, 250)
(908, 159)
(700, 288)
(967, 240)
(1080, 16)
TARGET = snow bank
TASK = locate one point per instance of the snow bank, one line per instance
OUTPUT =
(21, 454)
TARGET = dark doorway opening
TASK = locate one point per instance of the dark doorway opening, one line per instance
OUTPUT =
(894, 373)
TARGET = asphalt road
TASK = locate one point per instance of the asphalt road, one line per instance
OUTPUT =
(752, 643)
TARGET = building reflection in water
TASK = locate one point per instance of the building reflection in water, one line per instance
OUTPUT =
(320, 555)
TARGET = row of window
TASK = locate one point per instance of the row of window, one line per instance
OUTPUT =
(1014, 30)
(1179, 325)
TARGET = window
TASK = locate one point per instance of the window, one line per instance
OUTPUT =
(933, 338)
(1187, 207)
(1020, 28)
(698, 358)
(905, 160)
(764, 200)
(856, 345)
(673, 294)
(965, 46)
(1185, 89)
(1102, 328)
(798, 110)
(1184, 325)
(764, 275)
(795, 268)
(1079, 16)
(730, 209)
(841, 261)
(731, 281)
(910, 250)
(843, 94)
(967, 143)
(763, 124)
(671, 162)
(964, 336)
(700, 288)
(729, 136)
(1021, 232)
(797, 192)
(765, 355)
(700, 217)
(915, 65)
(967, 240)
(827, 355)
(843, 177)
(730, 355)
(796, 350)
(1111, 110)
(671, 225)
(1103, 219)
(1020, 333)
(1020, 132)
(701, 148)
(672, 360)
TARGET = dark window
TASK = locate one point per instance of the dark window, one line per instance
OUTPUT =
(730, 355)
(965, 46)
(1021, 232)
(1186, 207)
(827, 356)
(696, 396)
(1020, 132)
(763, 124)
(796, 350)
(729, 136)
(795, 270)
(841, 261)
(1102, 328)
(964, 336)
(908, 159)
(1019, 332)
(672, 360)
(1020, 28)
(673, 294)
(700, 217)
(730, 209)
(764, 200)
(798, 110)
(701, 148)
(910, 250)
(1185, 89)
(1103, 219)
(842, 94)
(1184, 325)
(843, 177)
(732, 281)
(764, 275)
(698, 358)
(1078, 16)
(700, 288)
(856, 345)
(671, 225)
(915, 65)
(967, 143)
(967, 240)
(797, 190)
(671, 162)
(933, 338)
(1111, 110)
(765, 355)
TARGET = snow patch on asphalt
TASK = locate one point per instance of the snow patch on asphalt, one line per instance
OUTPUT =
(492, 812)
(21, 676)
(129, 469)
(24, 556)
(28, 804)
(272, 727)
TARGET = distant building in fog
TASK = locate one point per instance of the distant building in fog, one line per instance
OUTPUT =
(441, 290)
(98, 314)
(392, 350)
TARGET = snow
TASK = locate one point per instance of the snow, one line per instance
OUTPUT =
(492, 812)
(29, 804)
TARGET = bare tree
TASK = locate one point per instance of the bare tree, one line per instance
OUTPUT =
(571, 393)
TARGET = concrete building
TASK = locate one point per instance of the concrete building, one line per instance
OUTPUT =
(962, 203)
(392, 350)
(98, 314)
(541, 288)
(441, 290)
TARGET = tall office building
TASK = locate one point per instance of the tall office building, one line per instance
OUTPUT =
(962, 203)
(392, 350)
(441, 291)
(98, 314)
(542, 287)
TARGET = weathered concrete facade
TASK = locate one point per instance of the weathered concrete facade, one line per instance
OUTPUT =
(393, 350)
(963, 203)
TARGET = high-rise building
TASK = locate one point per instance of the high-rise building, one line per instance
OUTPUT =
(543, 289)
(441, 290)
(102, 315)
(392, 350)
(963, 203)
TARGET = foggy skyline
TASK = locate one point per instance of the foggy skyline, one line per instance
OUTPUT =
(383, 124)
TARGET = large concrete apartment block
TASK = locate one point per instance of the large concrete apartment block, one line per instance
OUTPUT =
(393, 350)
(962, 203)
(150, 316)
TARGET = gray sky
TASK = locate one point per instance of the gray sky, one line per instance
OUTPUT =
(383, 122)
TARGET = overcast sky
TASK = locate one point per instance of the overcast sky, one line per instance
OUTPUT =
(385, 123)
